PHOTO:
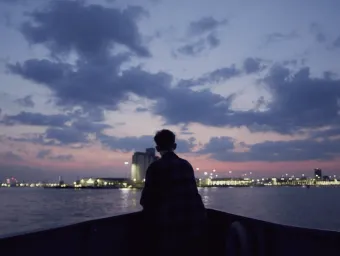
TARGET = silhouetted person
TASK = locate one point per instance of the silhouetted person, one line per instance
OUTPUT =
(173, 209)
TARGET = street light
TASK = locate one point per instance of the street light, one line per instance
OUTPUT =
(197, 169)
(214, 170)
(126, 163)
(205, 173)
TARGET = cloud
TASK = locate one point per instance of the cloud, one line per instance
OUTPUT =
(218, 145)
(193, 49)
(204, 28)
(66, 135)
(273, 151)
(217, 76)
(47, 154)
(133, 143)
(278, 37)
(185, 130)
(63, 158)
(336, 43)
(42, 154)
(203, 25)
(35, 119)
(77, 88)
(317, 31)
(26, 101)
(85, 125)
(10, 156)
(65, 26)
(325, 134)
(298, 101)
(141, 110)
(252, 65)
(41, 71)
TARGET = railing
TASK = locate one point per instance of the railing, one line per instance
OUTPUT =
(228, 234)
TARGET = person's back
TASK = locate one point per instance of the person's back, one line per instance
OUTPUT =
(170, 198)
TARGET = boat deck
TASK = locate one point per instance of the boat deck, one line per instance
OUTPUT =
(228, 234)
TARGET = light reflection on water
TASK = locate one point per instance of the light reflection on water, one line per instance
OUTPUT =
(25, 209)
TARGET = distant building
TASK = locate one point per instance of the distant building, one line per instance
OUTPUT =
(317, 173)
(151, 151)
(141, 162)
(102, 182)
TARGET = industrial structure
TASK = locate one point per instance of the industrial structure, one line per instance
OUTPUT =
(141, 162)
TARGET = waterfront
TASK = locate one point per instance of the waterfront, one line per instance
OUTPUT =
(29, 209)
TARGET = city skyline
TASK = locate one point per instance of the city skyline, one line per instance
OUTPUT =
(246, 87)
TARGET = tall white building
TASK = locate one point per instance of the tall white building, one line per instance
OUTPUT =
(141, 162)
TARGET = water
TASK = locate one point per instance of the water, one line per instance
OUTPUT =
(28, 209)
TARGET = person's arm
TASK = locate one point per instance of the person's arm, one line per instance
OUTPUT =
(149, 194)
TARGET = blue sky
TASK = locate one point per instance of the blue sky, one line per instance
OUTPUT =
(246, 85)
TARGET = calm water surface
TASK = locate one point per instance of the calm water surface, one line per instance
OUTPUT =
(26, 209)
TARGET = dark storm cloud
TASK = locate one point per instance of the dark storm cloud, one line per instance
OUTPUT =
(48, 154)
(274, 151)
(277, 37)
(35, 119)
(139, 143)
(193, 49)
(203, 25)
(26, 101)
(64, 26)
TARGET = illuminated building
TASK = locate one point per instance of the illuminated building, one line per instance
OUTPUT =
(102, 182)
(317, 173)
(141, 162)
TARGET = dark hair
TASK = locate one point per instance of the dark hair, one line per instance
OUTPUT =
(165, 139)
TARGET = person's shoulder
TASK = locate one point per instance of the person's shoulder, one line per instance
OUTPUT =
(154, 164)
(184, 162)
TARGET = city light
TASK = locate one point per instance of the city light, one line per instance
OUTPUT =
(214, 170)
(205, 173)
(126, 163)
(197, 169)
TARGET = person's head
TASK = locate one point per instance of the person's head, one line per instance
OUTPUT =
(165, 140)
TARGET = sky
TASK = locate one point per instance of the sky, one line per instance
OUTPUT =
(247, 86)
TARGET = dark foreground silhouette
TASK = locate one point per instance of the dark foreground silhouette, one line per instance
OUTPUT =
(174, 214)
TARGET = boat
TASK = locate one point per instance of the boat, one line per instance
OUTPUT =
(227, 234)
